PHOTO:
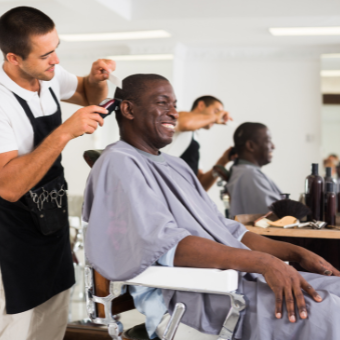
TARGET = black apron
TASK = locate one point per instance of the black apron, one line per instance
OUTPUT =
(36, 263)
(191, 155)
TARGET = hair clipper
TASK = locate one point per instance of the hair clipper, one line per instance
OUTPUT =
(232, 152)
(110, 105)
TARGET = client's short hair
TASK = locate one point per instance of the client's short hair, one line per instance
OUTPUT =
(245, 132)
(208, 100)
(133, 87)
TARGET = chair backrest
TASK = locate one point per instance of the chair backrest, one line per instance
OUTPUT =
(91, 156)
(123, 302)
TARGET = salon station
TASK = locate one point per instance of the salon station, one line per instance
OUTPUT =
(169, 170)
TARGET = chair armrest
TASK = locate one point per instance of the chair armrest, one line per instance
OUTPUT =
(213, 281)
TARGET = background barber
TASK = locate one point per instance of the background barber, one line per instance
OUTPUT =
(35, 255)
(205, 112)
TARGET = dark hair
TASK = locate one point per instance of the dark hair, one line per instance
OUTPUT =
(246, 131)
(133, 87)
(208, 100)
(18, 25)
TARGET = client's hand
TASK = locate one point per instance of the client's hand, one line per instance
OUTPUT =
(226, 157)
(316, 264)
(287, 284)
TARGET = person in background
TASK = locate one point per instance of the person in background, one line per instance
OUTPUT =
(205, 112)
(331, 161)
(250, 190)
(36, 268)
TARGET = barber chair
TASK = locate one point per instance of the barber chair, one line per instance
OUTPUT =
(104, 299)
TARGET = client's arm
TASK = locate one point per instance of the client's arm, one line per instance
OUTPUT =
(289, 252)
(284, 280)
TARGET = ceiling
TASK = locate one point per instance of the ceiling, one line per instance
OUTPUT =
(222, 23)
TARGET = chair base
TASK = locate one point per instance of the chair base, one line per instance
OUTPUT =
(79, 330)
(137, 333)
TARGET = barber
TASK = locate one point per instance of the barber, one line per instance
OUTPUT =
(205, 112)
(35, 254)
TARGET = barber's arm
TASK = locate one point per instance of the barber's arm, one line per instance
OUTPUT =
(192, 121)
(285, 282)
(19, 174)
(207, 179)
(93, 88)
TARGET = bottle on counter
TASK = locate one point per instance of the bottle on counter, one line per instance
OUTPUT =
(329, 179)
(315, 194)
(330, 204)
(338, 184)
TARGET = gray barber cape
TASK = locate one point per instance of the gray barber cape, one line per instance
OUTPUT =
(138, 207)
(251, 191)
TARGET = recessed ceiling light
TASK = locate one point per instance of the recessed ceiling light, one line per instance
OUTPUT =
(305, 31)
(131, 57)
(115, 36)
(331, 56)
(330, 73)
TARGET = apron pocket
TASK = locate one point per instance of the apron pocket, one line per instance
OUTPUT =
(48, 206)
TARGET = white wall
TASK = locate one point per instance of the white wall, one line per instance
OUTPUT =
(281, 92)
(76, 170)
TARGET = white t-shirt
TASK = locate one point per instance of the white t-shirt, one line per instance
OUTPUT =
(16, 132)
(180, 142)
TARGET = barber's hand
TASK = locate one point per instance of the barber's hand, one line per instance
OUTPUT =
(85, 120)
(101, 69)
(226, 158)
(287, 285)
(223, 117)
(316, 264)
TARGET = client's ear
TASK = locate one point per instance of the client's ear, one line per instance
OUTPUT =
(126, 109)
(250, 146)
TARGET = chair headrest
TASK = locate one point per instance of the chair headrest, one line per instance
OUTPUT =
(91, 156)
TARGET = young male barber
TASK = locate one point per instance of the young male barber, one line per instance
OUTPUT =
(35, 256)
(205, 112)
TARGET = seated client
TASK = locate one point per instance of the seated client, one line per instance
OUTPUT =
(147, 208)
(251, 191)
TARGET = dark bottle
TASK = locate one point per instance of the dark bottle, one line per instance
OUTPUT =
(314, 194)
(330, 204)
(329, 179)
(338, 195)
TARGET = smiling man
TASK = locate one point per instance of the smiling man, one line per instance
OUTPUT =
(145, 208)
(36, 269)
(251, 191)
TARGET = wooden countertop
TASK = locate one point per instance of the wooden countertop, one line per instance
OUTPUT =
(302, 232)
